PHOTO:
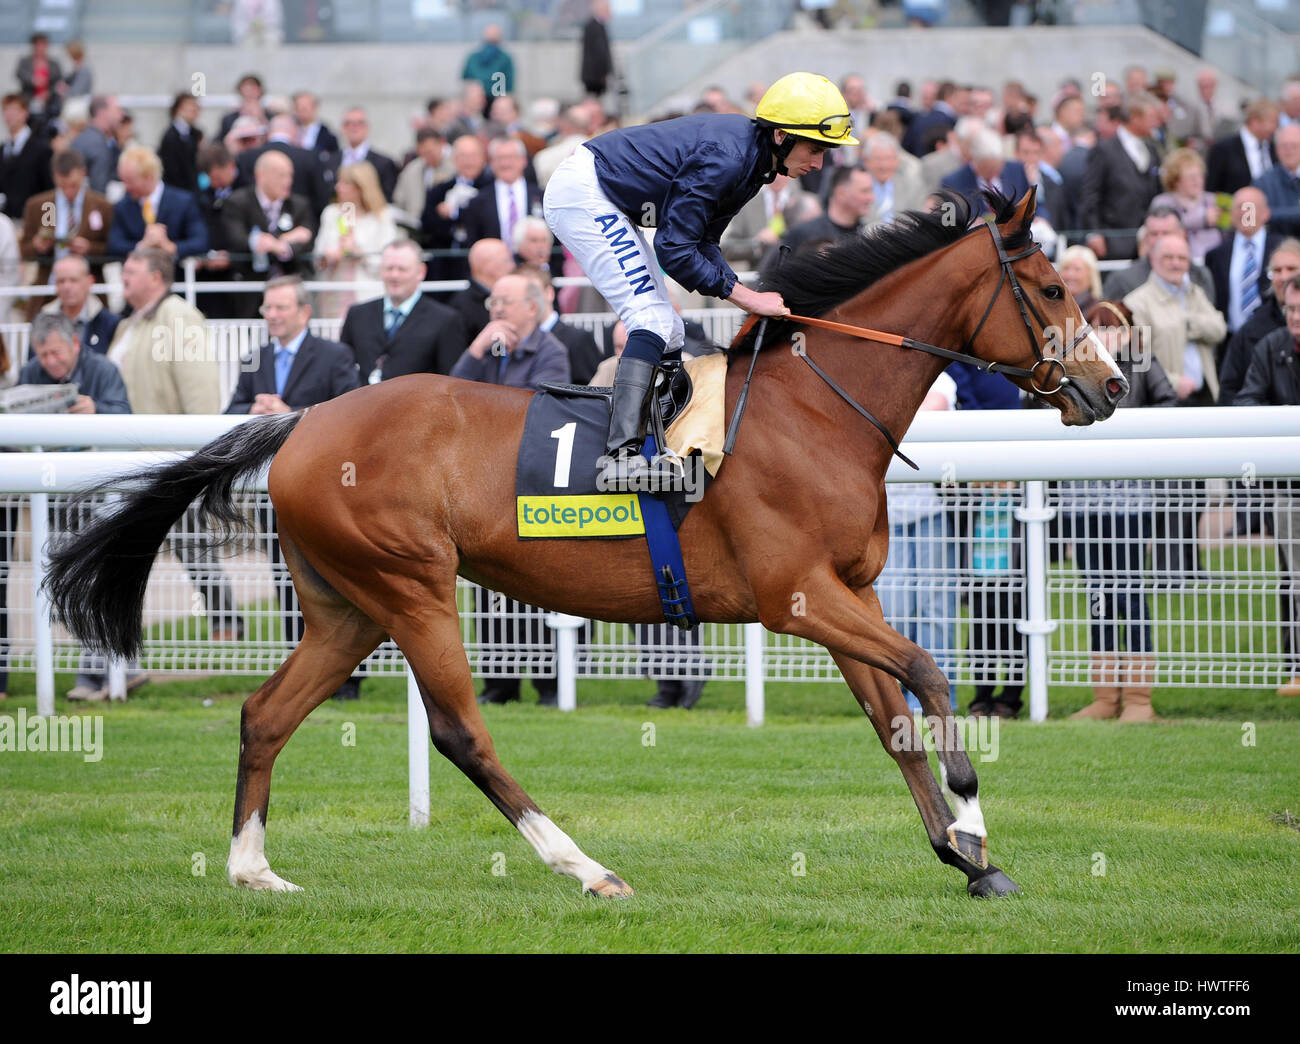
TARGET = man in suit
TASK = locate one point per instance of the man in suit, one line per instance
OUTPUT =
(312, 134)
(495, 211)
(1239, 159)
(405, 331)
(944, 114)
(267, 220)
(293, 371)
(893, 190)
(218, 169)
(250, 104)
(152, 214)
(1281, 182)
(25, 160)
(597, 57)
(1051, 203)
(584, 354)
(179, 148)
(93, 324)
(356, 149)
(442, 224)
(987, 169)
(98, 141)
(69, 219)
(489, 260)
(1239, 265)
(1120, 181)
(308, 179)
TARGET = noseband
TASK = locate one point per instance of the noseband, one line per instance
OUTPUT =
(1045, 364)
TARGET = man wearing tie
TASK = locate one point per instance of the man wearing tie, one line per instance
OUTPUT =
(1239, 159)
(273, 225)
(494, 212)
(25, 159)
(152, 214)
(405, 331)
(81, 219)
(1238, 265)
(295, 370)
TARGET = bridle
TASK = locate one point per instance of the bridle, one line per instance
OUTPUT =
(1008, 276)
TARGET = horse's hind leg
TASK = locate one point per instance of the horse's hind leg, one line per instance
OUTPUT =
(432, 645)
(338, 636)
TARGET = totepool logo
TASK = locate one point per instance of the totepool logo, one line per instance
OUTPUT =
(579, 516)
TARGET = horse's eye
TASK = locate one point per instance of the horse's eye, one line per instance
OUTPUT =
(1053, 292)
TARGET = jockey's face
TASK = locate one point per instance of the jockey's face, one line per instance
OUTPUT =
(804, 157)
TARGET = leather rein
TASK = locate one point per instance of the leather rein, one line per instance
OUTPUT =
(1026, 306)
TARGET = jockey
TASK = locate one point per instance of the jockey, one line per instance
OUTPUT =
(687, 178)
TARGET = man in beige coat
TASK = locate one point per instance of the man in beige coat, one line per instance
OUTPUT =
(162, 347)
(1178, 323)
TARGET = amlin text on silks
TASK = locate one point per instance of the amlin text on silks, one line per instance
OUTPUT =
(594, 515)
(82, 734)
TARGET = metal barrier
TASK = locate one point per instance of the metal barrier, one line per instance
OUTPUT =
(998, 579)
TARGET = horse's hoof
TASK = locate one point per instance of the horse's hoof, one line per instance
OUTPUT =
(991, 885)
(611, 886)
(974, 850)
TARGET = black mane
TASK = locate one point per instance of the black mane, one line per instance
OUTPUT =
(815, 282)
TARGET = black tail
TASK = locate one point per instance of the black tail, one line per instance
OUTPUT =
(97, 577)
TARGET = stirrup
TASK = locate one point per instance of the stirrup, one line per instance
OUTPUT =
(628, 471)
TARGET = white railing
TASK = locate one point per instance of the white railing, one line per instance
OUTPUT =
(1201, 616)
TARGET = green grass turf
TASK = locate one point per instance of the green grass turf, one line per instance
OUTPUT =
(708, 825)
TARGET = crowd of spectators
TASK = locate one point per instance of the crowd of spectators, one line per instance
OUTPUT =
(1186, 203)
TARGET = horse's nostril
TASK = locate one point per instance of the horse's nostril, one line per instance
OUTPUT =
(1116, 388)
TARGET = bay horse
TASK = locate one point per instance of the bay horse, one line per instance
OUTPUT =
(385, 494)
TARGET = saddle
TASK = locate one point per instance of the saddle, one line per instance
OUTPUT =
(672, 392)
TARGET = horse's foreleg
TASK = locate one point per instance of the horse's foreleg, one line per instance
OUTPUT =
(432, 645)
(337, 638)
(871, 654)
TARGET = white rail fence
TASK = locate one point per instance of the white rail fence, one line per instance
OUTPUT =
(1004, 571)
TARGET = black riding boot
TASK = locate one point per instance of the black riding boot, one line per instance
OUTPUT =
(627, 470)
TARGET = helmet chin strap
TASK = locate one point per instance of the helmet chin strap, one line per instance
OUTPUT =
(782, 152)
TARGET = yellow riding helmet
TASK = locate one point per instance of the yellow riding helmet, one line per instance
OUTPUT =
(808, 106)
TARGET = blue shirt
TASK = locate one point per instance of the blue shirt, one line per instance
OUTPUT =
(688, 178)
(291, 351)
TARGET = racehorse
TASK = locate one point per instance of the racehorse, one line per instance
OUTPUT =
(385, 494)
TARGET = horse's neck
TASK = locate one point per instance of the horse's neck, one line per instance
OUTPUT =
(933, 305)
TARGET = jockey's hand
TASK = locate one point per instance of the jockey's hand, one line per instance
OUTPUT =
(769, 304)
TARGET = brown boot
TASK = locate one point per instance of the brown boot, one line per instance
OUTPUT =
(1291, 688)
(1105, 691)
(1137, 695)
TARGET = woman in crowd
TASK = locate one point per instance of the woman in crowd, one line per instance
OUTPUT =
(1183, 176)
(1110, 521)
(353, 232)
(1081, 275)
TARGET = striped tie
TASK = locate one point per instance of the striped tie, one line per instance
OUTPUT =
(1249, 282)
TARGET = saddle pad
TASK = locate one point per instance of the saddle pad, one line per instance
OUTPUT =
(700, 427)
(555, 472)
(555, 476)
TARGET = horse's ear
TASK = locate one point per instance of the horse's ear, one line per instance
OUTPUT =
(1023, 215)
